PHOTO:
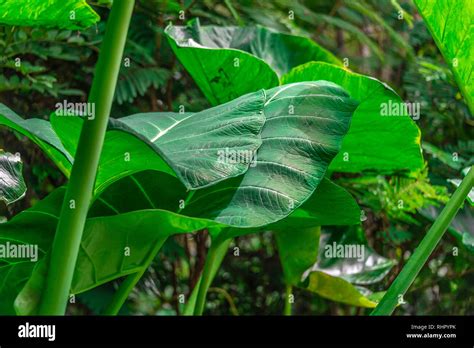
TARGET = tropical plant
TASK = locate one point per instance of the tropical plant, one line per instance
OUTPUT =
(288, 126)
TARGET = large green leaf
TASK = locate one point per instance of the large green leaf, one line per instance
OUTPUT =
(12, 184)
(227, 62)
(188, 142)
(41, 133)
(114, 223)
(303, 127)
(66, 14)
(452, 25)
(374, 141)
(297, 130)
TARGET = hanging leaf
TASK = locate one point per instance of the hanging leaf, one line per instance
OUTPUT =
(289, 162)
(303, 127)
(63, 14)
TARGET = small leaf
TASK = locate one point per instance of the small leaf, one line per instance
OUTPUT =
(12, 184)
(337, 289)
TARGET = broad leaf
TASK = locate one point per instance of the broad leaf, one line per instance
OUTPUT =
(338, 290)
(227, 62)
(451, 24)
(65, 14)
(12, 185)
(224, 142)
(375, 141)
(115, 220)
(303, 127)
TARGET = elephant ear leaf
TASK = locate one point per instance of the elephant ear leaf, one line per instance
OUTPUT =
(277, 150)
(12, 185)
(63, 14)
(451, 24)
(382, 136)
(227, 62)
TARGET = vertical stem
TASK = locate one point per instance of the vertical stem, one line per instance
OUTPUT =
(425, 248)
(287, 309)
(214, 258)
(81, 183)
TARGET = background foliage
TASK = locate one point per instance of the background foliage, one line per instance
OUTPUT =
(385, 39)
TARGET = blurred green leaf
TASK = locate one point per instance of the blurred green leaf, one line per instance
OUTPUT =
(65, 14)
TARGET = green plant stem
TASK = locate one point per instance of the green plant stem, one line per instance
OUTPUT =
(81, 183)
(214, 258)
(408, 274)
(287, 309)
(113, 308)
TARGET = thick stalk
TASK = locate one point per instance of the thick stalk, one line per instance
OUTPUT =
(129, 283)
(81, 183)
(408, 274)
(214, 258)
(287, 309)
